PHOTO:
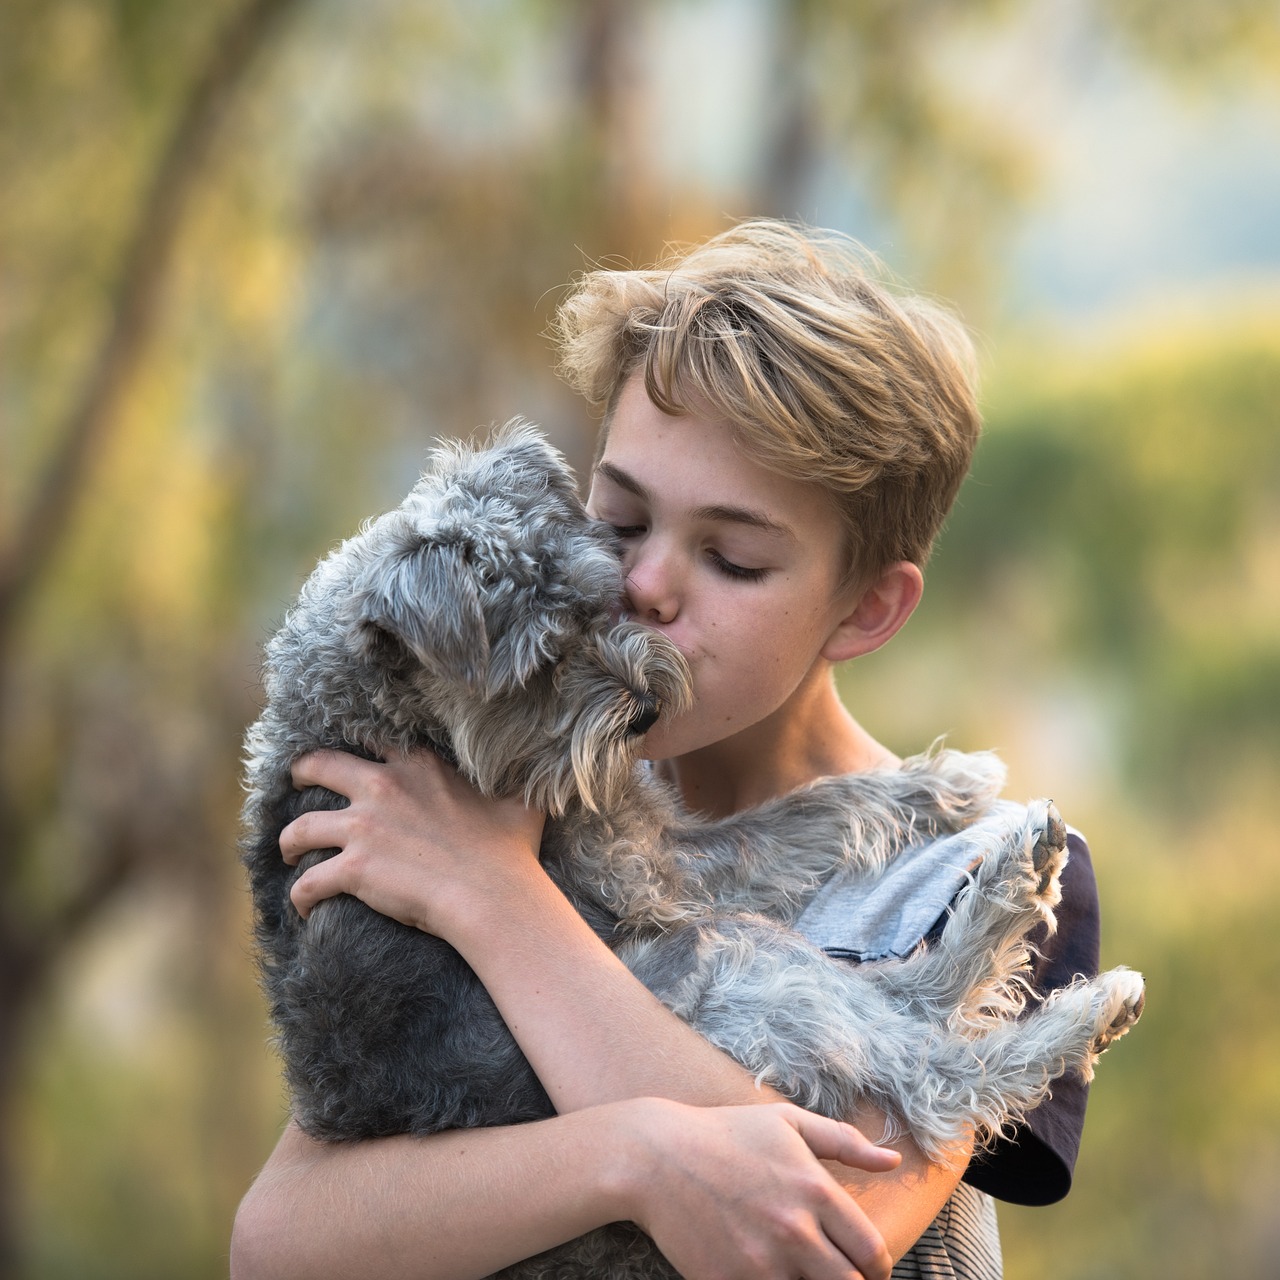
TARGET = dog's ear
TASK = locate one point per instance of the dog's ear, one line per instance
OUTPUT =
(428, 599)
(531, 643)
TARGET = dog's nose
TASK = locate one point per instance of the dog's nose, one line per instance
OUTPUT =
(648, 709)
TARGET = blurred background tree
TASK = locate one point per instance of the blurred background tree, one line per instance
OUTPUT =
(254, 256)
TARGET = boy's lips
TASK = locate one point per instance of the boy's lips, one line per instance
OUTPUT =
(619, 613)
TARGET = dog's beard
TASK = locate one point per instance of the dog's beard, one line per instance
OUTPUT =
(602, 755)
(604, 745)
(576, 740)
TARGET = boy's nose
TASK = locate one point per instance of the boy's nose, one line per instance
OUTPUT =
(650, 586)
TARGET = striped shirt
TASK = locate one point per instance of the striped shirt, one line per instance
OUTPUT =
(961, 1243)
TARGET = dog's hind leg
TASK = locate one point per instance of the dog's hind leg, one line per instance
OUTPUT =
(825, 1035)
(792, 1016)
(1006, 1072)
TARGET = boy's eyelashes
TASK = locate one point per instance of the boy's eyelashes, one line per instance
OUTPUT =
(723, 565)
(731, 570)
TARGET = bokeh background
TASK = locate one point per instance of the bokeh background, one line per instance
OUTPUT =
(256, 254)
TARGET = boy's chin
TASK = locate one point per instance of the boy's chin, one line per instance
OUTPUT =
(658, 744)
(669, 741)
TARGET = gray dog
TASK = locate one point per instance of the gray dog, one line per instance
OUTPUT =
(480, 619)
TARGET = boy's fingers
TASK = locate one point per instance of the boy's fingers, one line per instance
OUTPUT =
(327, 879)
(310, 888)
(318, 829)
(845, 1250)
(852, 1233)
(834, 1140)
(336, 770)
(846, 1226)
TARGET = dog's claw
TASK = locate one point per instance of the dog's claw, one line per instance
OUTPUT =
(1133, 999)
(1046, 853)
(1132, 1012)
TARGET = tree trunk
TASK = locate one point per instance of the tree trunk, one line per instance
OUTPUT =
(136, 303)
(29, 947)
(19, 978)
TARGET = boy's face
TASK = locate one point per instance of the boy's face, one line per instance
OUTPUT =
(738, 566)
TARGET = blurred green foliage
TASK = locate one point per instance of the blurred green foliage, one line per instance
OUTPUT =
(1161, 519)
(1143, 490)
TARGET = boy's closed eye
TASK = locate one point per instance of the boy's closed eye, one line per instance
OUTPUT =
(732, 570)
(722, 563)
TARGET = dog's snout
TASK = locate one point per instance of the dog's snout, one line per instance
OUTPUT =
(648, 709)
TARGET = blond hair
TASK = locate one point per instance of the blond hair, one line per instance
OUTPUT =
(827, 374)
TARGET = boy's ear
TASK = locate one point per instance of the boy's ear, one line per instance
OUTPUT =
(877, 613)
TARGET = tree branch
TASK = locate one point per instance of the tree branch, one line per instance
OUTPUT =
(136, 304)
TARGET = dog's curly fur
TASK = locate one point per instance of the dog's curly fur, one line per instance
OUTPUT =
(480, 618)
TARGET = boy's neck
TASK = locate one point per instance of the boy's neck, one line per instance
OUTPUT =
(811, 736)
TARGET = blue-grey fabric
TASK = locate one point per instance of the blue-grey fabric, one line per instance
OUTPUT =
(857, 915)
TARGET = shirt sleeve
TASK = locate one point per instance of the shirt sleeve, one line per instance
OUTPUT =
(1034, 1166)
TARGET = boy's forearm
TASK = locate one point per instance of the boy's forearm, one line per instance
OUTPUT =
(453, 1205)
(590, 1029)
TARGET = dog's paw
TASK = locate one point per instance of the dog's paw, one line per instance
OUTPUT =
(1123, 999)
(1048, 848)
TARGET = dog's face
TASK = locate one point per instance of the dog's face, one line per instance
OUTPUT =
(487, 603)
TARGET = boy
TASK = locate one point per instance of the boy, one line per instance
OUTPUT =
(783, 438)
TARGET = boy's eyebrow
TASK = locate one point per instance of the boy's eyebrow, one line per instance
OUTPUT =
(716, 511)
(623, 479)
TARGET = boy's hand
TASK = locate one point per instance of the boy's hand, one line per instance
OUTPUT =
(417, 842)
(737, 1193)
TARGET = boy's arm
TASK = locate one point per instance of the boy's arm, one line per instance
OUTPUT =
(594, 1034)
(720, 1190)
(405, 1207)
